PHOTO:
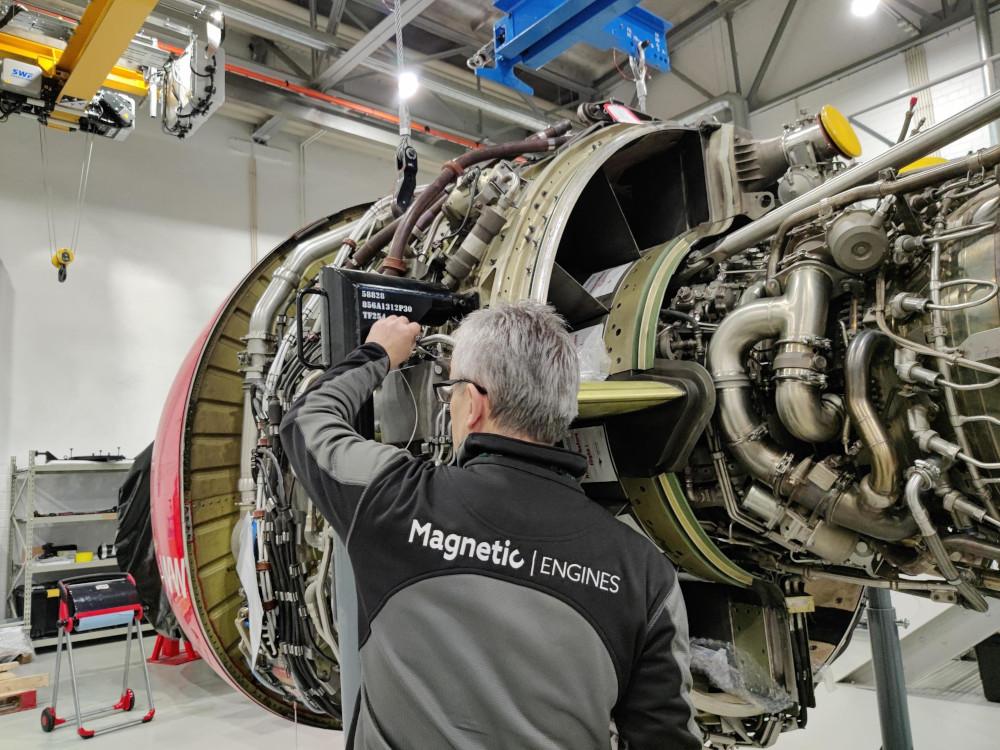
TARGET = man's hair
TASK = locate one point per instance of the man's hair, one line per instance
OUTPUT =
(524, 357)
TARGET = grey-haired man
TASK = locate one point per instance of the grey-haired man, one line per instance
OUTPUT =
(498, 607)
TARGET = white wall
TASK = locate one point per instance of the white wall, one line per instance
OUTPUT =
(165, 235)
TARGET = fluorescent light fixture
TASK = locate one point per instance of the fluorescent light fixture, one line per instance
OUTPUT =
(864, 8)
(408, 84)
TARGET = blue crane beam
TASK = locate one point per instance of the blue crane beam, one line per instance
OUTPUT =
(534, 32)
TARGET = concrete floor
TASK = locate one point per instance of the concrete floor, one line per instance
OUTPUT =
(195, 709)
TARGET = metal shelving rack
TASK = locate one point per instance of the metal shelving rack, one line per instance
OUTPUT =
(23, 523)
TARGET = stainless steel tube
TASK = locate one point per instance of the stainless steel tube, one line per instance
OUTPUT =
(971, 546)
(917, 482)
(793, 318)
(984, 39)
(742, 429)
(284, 281)
(847, 510)
(807, 414)
(796, 320)
(880, 487)
(928, 141)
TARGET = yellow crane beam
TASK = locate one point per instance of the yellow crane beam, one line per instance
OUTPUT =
(102, 36)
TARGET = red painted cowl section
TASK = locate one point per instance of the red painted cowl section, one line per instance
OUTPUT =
(167, 503)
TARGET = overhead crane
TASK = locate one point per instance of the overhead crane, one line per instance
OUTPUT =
(82, 86)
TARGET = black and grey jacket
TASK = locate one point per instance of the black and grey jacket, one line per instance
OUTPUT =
(498, 606)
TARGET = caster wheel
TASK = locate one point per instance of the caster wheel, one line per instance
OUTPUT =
(129, 700)
(48, 719)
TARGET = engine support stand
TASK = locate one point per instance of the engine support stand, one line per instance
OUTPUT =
(887, 663)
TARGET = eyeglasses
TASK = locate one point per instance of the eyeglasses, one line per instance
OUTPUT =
(445, 388)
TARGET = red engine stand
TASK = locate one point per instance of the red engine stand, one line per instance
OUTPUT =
(168, 651)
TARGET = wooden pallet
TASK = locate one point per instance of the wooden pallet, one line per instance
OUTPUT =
(17, 692)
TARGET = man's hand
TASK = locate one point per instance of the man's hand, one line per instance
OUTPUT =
(396, 335)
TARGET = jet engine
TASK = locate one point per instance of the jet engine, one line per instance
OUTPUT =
(790, 366)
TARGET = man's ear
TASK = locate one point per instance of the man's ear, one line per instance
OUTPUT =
(479, 406)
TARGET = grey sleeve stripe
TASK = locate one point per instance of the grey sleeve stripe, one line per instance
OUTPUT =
(680, 649)
(325, 421)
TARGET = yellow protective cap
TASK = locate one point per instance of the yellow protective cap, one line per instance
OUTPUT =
(922, 163)
(840, 131)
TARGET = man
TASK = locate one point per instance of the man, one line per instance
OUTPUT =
(498, 606)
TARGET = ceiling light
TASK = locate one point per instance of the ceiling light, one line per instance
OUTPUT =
(408, 84)
(864, 8)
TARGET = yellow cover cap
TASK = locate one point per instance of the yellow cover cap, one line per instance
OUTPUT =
(840, 131)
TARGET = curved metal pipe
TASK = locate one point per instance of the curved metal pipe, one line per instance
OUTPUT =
(742, 429)
(807, 415)
(848, 510)
(918, 481)
(796, 319)
(792, 319)
(880, 487)
(971, 546)
(284, 281)
(359, 228)
(437, 338)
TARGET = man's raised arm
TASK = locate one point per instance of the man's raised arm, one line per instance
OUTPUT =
(334, 463)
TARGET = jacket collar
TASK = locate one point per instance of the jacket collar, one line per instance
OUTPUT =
(480, 445)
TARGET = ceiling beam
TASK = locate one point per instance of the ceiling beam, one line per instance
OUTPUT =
(278, 27)
(900, 18)
(871, 131)
(263, 132)
(779, 34)
(468, 96)
(285, 58)
(365, 47)
(290, 31)
(924, 15)
(734, 57)
(674, 70)
(266, 130)
(269, 73)
(695, 24)
(336, 13)
(321, 116)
